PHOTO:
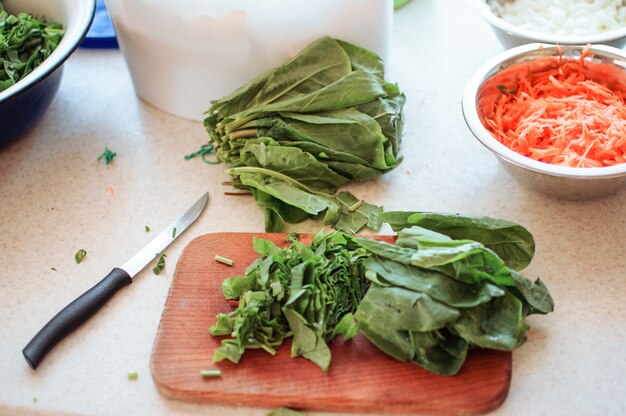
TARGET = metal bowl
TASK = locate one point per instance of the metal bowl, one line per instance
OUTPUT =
(23, 104)
(557, 181)
(511, 36)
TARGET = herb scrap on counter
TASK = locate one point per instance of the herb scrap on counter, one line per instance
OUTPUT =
(147, 229)
(439, 291)
(133, 375)
(158, 268)
(296, 134)
(205, 149)
(25, 42)
(107, 155)
(79, 256)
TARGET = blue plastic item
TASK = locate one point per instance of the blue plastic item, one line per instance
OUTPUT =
(101, 35)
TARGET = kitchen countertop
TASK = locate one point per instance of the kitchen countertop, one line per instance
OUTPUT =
(57, 199)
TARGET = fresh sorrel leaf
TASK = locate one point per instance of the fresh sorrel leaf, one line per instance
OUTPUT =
(513, 243)
(319, 121)
(428, 299)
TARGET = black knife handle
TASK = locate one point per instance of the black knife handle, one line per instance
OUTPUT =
(73, 315)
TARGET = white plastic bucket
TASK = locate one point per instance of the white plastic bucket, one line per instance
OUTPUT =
(182, 54)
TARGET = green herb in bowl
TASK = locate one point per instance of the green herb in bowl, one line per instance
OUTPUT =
(25, 42)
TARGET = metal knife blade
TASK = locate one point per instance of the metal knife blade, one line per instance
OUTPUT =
(85, 306)
(140, 260)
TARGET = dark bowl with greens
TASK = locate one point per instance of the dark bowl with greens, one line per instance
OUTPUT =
(36, 38)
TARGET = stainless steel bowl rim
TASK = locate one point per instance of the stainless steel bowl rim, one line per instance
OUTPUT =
(483, 9)
(474, 123)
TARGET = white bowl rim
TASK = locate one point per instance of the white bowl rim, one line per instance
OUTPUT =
(59, 55)
(483, 9)
(477, 128)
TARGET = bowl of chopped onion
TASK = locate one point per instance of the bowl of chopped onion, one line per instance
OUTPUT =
(563, 22)
(554, 116)
(36, 38)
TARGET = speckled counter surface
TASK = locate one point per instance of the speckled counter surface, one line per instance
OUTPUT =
(56, 199)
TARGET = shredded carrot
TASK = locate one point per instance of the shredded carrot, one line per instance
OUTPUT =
(565, 112)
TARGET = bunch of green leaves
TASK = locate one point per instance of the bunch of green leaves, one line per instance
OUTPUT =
(450, 282)
(25, 42)
(434, 296)
(305, 292)
(297, 133)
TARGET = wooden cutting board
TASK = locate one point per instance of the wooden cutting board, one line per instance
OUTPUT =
(361, 378)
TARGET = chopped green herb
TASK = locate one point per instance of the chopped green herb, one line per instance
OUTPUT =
(25, 42)
(205, 149)
(285, 411)
(133, 375)
(147, 229)
(210, 373)
(107, 155)
(160, 263)
(397, 4)
(174, 233)
(328, 278)
(293, 236)
(503, 90)
(80, 255)
(356, 205)
(224, 260)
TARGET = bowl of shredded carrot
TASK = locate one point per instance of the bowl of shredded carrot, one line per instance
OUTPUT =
(555, 116)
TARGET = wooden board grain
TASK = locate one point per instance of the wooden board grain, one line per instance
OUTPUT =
(361, 378)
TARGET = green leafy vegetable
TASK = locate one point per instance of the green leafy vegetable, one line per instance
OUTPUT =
(307, 292)
(133, 375)
(79, 256)
(429, 298)
(107, 155)
(147, 229)
(158, 268)
(433, 297)
(25, 42)
(296, 134)
(513, 243)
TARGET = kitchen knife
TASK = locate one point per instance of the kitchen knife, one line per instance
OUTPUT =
(81, 309)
